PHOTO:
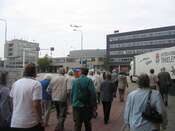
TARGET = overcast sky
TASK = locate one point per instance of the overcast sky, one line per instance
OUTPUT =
(47, 21)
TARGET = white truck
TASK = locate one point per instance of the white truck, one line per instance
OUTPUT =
(163, 58)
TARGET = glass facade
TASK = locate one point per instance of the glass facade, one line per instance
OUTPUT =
(143, 35)
(122, 47)
(143, 43)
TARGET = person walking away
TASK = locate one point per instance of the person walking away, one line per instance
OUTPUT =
(164, 81)
(114, 76)
(97, 83)
(59, 97)
(153, 80)
(46, 98)
(5, 104)
(91, 75)
(104, 75)
(122, 84)
(107, 90)
(70, 79)
(26, 94)
(136, 103)
(77, 73)
(83, 99)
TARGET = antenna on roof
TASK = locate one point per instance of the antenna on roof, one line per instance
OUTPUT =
(116, 31)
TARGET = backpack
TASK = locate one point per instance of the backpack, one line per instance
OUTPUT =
(83, 94)
(5, 109)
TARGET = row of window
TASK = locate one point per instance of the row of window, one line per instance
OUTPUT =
(133, 52)
(127, 59)
(92, 59)
(142, 35)
(143, 43)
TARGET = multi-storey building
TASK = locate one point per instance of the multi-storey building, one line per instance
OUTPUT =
(17, 53)
(91, 58)
(121, 47)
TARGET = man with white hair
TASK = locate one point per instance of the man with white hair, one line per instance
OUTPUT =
(97, 84)
(70, 79)
(91, 75)
(59, 97)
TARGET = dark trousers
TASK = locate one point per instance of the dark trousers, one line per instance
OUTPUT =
(164, 94)
(5, 129)
(82, 115)
(98, 97)
(35, 128)
(106, 111)
(61, 108)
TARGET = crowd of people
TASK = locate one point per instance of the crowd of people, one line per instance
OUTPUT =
(30, 101)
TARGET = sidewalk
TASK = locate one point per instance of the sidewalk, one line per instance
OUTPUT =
(115, 122)
(170, 109)
(171, 114)
(116, 117)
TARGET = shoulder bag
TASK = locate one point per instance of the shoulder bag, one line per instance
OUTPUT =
(150, 113)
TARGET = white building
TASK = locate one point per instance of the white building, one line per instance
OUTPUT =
(20, 52)
(92, 58)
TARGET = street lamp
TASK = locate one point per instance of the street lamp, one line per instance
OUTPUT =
(5, 21)
(81, 32)
(81, 38)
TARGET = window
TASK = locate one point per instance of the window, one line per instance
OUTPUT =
(10, 45)
(10, 49)
(92, 59)
(100, 59)
(143, 43)
(10, 54)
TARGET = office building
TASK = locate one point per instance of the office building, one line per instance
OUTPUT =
(122, 47)
(92, 58)
(17, 53)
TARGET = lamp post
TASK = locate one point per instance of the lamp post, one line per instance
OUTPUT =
(5, 21)
(23, 57)
(81, 32)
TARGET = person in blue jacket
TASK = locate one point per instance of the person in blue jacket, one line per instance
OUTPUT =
(46, 98)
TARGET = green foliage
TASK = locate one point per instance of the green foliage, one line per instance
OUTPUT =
(44, 62)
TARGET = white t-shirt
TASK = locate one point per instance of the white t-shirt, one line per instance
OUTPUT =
(23, 92)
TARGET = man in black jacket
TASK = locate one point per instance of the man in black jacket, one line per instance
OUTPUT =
(164, 81)
(107, 90)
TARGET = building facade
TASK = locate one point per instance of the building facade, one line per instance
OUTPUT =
(90, 58)
(122, 47)
(17, 53)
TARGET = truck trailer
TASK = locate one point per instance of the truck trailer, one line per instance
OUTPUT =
(163, 58)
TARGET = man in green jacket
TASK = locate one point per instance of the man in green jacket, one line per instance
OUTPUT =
(83, 98)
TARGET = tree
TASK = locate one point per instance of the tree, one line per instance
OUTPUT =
(44, 63)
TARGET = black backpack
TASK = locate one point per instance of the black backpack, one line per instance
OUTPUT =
(83, 94)
(150, 113)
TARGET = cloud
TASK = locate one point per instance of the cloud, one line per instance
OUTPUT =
(47, 21)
